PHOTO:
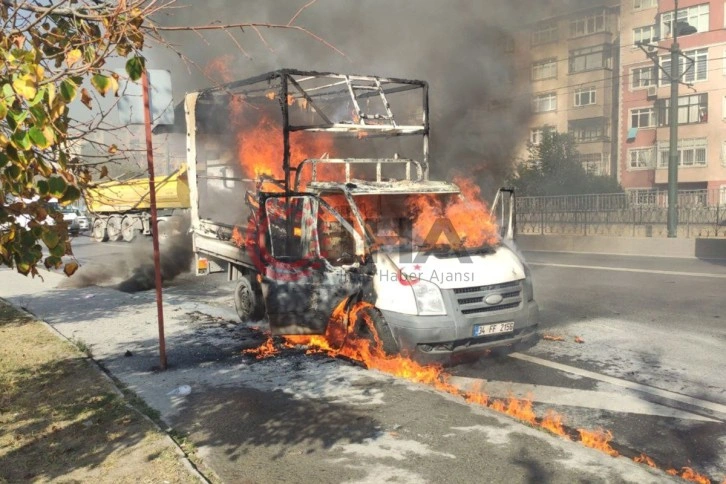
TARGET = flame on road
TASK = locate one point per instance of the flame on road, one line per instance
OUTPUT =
(598, 439)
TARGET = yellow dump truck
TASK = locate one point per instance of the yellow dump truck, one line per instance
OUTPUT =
(122, 209)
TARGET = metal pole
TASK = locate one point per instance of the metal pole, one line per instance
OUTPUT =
(154, 221)
(673, 119)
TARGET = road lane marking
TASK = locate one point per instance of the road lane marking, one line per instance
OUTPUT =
(571, 397)
(696, 402)
(628, 269)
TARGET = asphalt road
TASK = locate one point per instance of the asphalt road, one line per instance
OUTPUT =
(636, 346)
(651, 365)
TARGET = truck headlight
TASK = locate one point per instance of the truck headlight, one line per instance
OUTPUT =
(429, 300)
(527, 283)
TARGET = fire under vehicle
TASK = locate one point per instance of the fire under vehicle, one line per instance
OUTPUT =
(122, 209)
(283, 201)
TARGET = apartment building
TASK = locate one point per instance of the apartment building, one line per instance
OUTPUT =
(645, 94)
(574, 70)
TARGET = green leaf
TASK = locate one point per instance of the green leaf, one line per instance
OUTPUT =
(135, 67)
(38, 97)
(38, 113)
(38, 138)
(18, 116)
(3, 159)
(59, 250)
(13, 172)
(101, 83)
(43, 187)
(68, 90)
(8, 92)
(3, 109)
(51, 238)
(53, 262)
(23, 268)
(72, 194)
(21, 140)
(57, 186)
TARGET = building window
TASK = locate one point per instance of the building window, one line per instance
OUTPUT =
(589, 58)
(545, 102)
(692, 109)
(642, 118)
(591, 24)
(696, 17)
(593, 163)
(587, 130)
(535, 135)
(544, 33)
(691, 152)
(723, 153)
(546, 69)
(643, 4)
(722, 195)
(641, 77)
(644, 35)
(641, 158)
(585, 96)
(692, 68)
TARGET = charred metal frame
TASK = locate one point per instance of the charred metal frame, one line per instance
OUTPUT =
(356, 87)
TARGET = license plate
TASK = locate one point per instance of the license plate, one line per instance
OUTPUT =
(487, 329)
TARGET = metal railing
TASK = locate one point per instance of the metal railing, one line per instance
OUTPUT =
(701, 213)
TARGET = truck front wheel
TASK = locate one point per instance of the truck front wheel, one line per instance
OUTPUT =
(248, 301)
(362, 329)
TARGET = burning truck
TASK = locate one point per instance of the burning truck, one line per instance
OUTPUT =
(312, 190)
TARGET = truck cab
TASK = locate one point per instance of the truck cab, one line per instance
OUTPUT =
(434, 298)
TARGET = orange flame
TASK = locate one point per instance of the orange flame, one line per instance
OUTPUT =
(644, 459)
(265, 350)
(469, 215)
(552, 421)
(260, 147)
(218, 69)
(238, 238)
(690, 475)
(598, 439)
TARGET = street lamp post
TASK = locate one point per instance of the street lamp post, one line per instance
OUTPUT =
(675, 75)
(673, 120)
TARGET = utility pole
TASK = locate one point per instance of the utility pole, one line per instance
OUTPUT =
(673, 117)
(674, 75)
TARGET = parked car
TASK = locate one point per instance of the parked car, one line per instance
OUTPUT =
(77, 222)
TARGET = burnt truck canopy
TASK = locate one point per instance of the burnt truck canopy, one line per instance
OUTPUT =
(275, 132)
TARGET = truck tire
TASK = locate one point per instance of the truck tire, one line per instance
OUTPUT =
(130, 228)
(248, 301)
(388, 342)
(98, 230)
(113, 228)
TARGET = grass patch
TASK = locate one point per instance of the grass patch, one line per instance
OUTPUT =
(60, 419)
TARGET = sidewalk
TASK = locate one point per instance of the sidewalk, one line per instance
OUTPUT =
(299, 418)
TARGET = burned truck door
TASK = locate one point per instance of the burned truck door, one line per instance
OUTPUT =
(300, 287)
(504, 207)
